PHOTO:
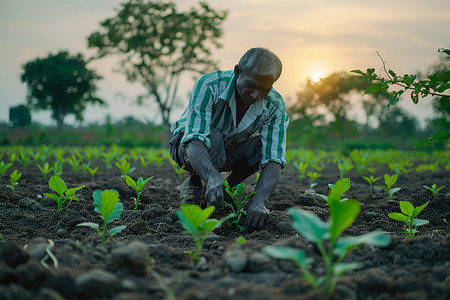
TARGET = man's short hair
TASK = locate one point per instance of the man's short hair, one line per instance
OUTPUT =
(262, 62)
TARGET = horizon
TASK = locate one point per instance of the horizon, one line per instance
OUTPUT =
(322, 36)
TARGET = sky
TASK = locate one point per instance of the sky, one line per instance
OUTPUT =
(309, 36)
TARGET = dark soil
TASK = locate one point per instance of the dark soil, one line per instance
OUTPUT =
(417, 268)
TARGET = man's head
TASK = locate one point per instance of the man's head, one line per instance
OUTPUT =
(257, 71)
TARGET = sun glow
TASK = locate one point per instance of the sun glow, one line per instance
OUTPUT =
(316, 76)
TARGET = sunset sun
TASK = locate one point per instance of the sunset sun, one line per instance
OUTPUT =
(316, 76)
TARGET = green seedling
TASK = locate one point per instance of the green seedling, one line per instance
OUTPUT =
(125, 168)
(197, 223)
(3, 168)
(108, 160)
(45, 169)
(63, 193)
(106, 204)
(144, 162)
(239, 200)
(137, 186)
(313, 175)
(74, 163)
(240, 240)
(24, 160)
(92, 172)
(408, 216)
(344, 166)
(57, 168)
(389, 181)
(434, 189)
(326, 236)
(301, 168)
(311, 188)
(371, 180)
(13, 179)
(177, 169)
(340, 187)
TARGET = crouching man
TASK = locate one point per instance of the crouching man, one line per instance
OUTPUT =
(235, 122)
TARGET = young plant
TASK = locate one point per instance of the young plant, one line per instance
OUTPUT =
(24, 160)
(344, 166)
(177, 169)
(197, 223)
(340, 187)
(92, 172)
(313, 175)
(3, 168)
(125, 168)
(106, 203)
(45, 170)
(371, 180)
(236, 194)
(137, 186)
(408, 216)
(13, 179)
(301, 168)
(57, 168)
(63, 193)
(434, 189)
(389, 181)
(326, 236)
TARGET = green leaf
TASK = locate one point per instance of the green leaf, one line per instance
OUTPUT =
(309, 225)
(116, 230)
(53, 196)
(407, 208)
(110, 207)
(290, 253)
(210, 224)
(344, 267)
(359, 72)
(418, 210)
(374, 238)
(420, 222)
(342, 215)
(399, 217)
(375, 88)
(89, 224)
(131, 182)
(185, 222)
(57, 184)
(390, 180)
(72, 191)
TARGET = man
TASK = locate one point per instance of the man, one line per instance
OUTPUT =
(235, 121)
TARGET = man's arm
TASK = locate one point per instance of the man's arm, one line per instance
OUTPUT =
(200, 161)
(257, 213)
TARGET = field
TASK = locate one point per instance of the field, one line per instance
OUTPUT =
(45, 255)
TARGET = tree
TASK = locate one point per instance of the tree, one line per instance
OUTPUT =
(331, 93)
(19, 116)
(156, 44)
(61, 83)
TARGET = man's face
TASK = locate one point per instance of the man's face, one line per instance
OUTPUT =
(251, 87)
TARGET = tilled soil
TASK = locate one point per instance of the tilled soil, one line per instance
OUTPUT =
(149, 259)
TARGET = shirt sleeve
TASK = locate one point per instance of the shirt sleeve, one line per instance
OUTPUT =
(198, 114)
(273, 138)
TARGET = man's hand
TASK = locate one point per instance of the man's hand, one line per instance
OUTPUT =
(214, 193)
(257, 215)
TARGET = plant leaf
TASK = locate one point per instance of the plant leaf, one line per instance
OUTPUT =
(57, 184)
(406, 208)
(309, 225)
(399, 217)
(374, 238)
(342, 215)
(89, 224)
(418, 210)
(290, 253)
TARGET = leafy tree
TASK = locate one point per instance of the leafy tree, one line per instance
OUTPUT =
(331, 93)
(62, 83)
(19, 116)
(156, 44)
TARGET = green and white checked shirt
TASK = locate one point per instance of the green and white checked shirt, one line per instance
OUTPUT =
(212, 104)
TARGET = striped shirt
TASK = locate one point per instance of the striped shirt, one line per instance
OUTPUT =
(212, 104)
